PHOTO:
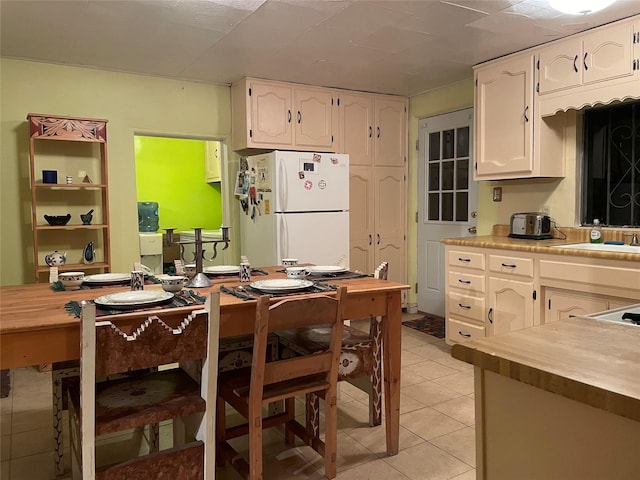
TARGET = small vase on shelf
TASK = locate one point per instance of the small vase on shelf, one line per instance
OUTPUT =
(88, 254)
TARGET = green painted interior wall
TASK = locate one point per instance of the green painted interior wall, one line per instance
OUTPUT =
(171, 171)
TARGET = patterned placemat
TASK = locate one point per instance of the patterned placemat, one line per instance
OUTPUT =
(429, 324)
(180, 299)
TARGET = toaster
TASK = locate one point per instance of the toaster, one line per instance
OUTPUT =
(532, 225)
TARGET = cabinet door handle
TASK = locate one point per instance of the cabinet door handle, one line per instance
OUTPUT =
(299, 116)
(465, 282)
(378, 235)
(584, 61)
(508, 265)
(490, 315)
(370, 131)
(464, 307)
(526, 113)
(575, 63)
(370, 239)
(465, 260)
(466, 335)
(378, 129)
(289, 112)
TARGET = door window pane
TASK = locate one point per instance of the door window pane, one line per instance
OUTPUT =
(447, 175)
(434, 206)
(447, 207)
(434, 146)
(462, 142)
(434, 177)
(462, 174)
(462, 206)
(448, 142)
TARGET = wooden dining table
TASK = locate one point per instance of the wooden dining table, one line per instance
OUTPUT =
(36, 329)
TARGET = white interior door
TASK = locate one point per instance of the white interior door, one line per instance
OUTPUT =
(447, 196)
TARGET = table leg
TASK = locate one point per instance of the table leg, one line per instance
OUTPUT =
(391, 352)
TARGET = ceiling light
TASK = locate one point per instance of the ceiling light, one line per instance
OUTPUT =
(579, 7)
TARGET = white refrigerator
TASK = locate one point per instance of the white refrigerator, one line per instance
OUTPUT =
(297, 206)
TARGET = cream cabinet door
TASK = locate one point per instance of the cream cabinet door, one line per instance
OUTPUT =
(563, 304)
(355, 135)
(607, 53)
(271, 114)
(313, 108)
(560, 66)
(361, 219)
(510, 305)
(389, 132)
(504, 118)
(390, 220)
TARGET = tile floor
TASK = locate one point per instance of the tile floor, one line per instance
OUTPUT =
(437, 434)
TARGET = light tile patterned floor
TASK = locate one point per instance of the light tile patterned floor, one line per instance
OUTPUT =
(437, 435)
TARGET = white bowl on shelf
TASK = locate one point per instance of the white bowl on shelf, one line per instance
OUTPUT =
(71, 280)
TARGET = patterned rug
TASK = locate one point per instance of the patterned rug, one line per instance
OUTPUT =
(430, 324)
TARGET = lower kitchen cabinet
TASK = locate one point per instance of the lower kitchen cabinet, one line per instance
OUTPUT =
(511, 305)
(562, 304)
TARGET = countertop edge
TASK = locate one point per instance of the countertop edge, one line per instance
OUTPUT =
(595, 396)
(536, 246)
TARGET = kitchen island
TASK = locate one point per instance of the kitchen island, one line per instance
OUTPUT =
(557, 401)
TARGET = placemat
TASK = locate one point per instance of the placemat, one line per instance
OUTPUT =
(183, 298)
(250, 293)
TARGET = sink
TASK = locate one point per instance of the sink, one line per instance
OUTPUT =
(601, 247)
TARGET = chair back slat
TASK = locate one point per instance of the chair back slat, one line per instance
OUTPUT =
(318, 310)
(155, 340)
(290, 368)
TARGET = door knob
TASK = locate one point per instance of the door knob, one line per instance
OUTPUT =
(472, 230)
(474, 214)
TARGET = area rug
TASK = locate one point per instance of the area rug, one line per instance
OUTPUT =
(430, 324)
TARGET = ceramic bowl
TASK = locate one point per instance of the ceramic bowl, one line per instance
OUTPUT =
(71, 280)
(297, 272)
(57, 220)
(172, 283)
(289, 262)
(190, 270)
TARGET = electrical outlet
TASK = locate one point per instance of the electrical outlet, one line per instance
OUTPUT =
(497, 194)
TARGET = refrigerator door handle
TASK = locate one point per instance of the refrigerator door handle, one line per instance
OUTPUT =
(282, 187)
(284, 238)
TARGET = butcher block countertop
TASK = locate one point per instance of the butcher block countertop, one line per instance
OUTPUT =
(500, 239)
(595, 362)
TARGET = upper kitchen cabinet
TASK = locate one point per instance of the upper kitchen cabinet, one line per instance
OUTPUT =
(212, 161)
(595, 67)
(276, 115)
(372, 129)
(504, 118)
(512, 139)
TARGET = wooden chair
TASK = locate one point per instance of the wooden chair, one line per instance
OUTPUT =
(249, 389)
(360, 358)
(141, 341)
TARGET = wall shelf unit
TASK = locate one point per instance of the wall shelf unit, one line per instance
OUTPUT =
(76, 148)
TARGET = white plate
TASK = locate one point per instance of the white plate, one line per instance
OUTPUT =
(325, 269)
(222, 269)
(134, 299)
(108, 278)
(278, 285)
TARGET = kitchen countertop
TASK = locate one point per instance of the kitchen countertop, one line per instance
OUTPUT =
(591, 361)
(538, 246)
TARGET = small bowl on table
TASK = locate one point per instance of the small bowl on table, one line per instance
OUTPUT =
(71, 280)
(57, 220)
(172, 283)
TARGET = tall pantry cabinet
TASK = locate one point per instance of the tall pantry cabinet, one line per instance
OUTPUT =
(372, 129)
(76, 149)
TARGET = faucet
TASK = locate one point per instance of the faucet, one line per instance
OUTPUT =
(634, 239)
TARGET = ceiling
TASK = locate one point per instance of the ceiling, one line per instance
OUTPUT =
(385, 46)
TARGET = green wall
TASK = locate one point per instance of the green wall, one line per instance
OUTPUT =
(171, 171)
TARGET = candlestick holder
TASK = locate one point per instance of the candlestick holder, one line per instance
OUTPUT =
(199, 280)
